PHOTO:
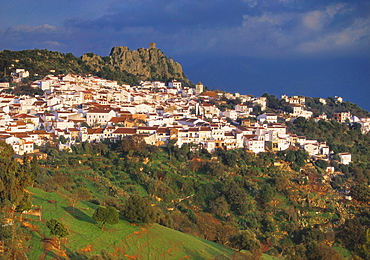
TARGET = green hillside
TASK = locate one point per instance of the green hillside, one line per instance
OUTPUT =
(143, 64)
(125, 240)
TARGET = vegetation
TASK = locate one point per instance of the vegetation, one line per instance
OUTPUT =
(57, 228)
(245, 240)
(137, 208)
(40, 63)
(233, 197)
(106, 215)
(123, 240)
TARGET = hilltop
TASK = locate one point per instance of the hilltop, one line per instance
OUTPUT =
(123, 65)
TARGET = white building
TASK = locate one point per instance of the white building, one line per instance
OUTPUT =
(300, 112)
(269, 117)
(99, 116)
(345, 158)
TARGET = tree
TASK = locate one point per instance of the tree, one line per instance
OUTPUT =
(245, 240)
(364, 249)
(353, 233)
(137, 208)
(57, 228)
(219, 207)
(106, 215)
(237, 198)
(322, 164)
(361, 192)
(24, 204)
(14, 178)
(309, 236)
(62, 139)
(267, 193)
(321, 251)
(213, 168)
(35, 168)
(134, 143)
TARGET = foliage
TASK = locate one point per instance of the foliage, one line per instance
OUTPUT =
(219, 207)
(213, 196)
(132, 144)
(364, 249)
(321, 251)
(42, 61)
(322, 164)
(22, 89)
(245, 240)
(14, 178)
(57, 228)
(277, 104)
(340, 138)
(106, 215)
(62, 139)
(144, 241)
(137, 209)
(24, 204)
(13, 237)
(354, 232)
(332, 107)
(361, 192)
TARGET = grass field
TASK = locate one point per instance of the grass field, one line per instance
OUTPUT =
(124, 239)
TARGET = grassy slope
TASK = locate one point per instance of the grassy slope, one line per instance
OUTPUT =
(123, 239)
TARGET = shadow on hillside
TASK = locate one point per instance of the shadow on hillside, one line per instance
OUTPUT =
(76, 255)
(78, 214)
(53, 255)
(210, 249)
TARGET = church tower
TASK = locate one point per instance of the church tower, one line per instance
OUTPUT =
(199, 88)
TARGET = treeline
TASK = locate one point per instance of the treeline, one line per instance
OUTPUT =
(15, 177)
(42, 61)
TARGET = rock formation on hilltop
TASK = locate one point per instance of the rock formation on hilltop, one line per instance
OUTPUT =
(122, 65)
(144, 64)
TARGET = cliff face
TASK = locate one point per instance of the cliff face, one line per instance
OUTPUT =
(143, 63)
(93, 61)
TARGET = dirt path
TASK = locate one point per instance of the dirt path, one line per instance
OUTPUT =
(48, 244)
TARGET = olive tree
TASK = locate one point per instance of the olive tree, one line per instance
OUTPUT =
(57, 228)
(106, 215)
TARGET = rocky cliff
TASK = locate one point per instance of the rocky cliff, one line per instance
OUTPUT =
(144, 64)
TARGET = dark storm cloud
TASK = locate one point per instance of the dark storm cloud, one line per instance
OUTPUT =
(249, 27)
(167, 16)
(279, 28)
(30, 37)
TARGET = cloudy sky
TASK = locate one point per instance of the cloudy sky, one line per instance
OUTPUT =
(309, 47)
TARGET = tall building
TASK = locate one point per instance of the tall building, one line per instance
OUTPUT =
(199, 88)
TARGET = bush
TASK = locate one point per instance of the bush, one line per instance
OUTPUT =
(139, 209)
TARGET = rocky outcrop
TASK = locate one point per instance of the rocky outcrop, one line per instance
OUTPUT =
(144, 64)
(93, 60)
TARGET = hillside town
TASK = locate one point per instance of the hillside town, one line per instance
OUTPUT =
(77, 108)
